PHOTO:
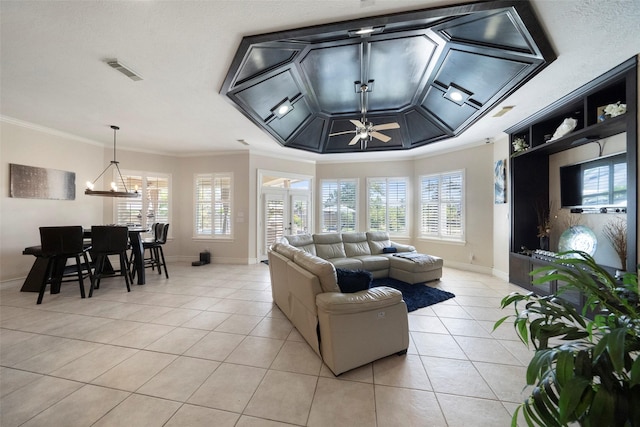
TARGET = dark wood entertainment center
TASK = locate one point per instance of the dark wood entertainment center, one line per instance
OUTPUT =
(529, 169)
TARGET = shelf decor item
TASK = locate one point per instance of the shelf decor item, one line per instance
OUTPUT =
(578, 238)
(611, 110)
(519, 144)
(565, 127)
(616, 232)
(615, 110)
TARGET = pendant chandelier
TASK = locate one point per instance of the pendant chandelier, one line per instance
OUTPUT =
(113, 192)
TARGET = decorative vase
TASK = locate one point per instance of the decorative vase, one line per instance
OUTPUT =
(544, 243)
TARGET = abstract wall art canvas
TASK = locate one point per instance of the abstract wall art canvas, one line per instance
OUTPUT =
(499, 182)
(29, 182)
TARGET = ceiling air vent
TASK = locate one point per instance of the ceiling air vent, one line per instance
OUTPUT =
(113, 63)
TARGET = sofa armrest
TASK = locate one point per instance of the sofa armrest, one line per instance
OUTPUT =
(403, 248)
(370, 299)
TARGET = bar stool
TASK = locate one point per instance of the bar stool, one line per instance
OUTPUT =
(156, 254)
(109, 240)
(58, 245)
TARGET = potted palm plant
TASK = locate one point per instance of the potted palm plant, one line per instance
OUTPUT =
(585, 370)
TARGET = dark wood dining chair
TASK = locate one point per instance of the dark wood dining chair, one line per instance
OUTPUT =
(109, 240)
(58, 244)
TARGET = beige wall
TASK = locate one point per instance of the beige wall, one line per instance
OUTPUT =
(502, 216)
(223, 251)
(477, 251)
(20, 218)
(361, 171)
(34, 146)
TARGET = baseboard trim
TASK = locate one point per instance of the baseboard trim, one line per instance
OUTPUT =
(469, 267)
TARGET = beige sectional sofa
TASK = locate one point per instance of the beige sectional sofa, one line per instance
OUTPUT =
(346, 330)
(365, 251)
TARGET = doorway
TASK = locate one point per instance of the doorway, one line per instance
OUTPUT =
(285, 207)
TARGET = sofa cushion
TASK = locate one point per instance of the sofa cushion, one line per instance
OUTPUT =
(302, 241)
(373, 262)
(347, 263)
(285, 250)
(329, 245)
(355, 244)
(378, 240)
(351, 281)
(325, 271)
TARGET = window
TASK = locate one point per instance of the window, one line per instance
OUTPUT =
(213, 205)
(154, 205)
(339, 210)
(442, 206)
(387, 203)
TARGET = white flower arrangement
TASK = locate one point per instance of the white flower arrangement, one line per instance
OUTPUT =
(519, 144)
(614, 110)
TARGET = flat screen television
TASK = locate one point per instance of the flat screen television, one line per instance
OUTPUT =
(599, 183)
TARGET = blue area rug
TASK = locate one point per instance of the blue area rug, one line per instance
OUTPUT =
(415, 296)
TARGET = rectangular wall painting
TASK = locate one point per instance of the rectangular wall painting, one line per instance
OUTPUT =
(499, 182)
(29, 182)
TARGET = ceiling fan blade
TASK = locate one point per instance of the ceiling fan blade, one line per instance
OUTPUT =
(358, 123)
(381, 137)
(354, 140)
(386, 126)
(342, 133)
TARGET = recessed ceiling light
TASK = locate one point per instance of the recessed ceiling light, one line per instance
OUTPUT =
(282, 109)
(457, 94)
(367, 30)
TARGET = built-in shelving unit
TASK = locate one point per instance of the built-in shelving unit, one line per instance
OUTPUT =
(529, 169)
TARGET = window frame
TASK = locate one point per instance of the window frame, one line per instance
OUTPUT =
(144, 176)
(338, 182)
(440, 236)
(213, 236)
(407, 204)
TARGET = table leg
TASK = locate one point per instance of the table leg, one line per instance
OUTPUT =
(138, 256)
(36, 275)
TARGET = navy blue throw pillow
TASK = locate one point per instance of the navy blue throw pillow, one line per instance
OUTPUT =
(350, 281)
(389, 250)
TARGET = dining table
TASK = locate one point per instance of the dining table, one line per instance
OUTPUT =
(38, 270)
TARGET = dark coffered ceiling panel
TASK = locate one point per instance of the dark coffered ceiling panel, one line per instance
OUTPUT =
(387, 82)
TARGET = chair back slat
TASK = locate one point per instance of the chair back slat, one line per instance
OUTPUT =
(164, 231)
(108, 238)
(64, 240)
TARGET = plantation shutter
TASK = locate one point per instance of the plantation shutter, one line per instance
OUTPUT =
(204, 191)
(339, 212)
(213, 205)
(430, 206)
(387, 202)
(451, 205)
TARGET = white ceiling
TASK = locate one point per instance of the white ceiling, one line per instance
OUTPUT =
(53, 71)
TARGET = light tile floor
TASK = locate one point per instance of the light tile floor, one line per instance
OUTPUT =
(207, 347)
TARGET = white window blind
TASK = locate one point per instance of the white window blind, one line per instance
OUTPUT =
(213, 205)
(387, 205)
(442, 205)
(153, 205)
(339, 210)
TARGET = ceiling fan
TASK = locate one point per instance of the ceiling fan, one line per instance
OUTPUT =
(366, 130)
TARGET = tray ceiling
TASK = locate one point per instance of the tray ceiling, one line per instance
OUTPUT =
(433, 71)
